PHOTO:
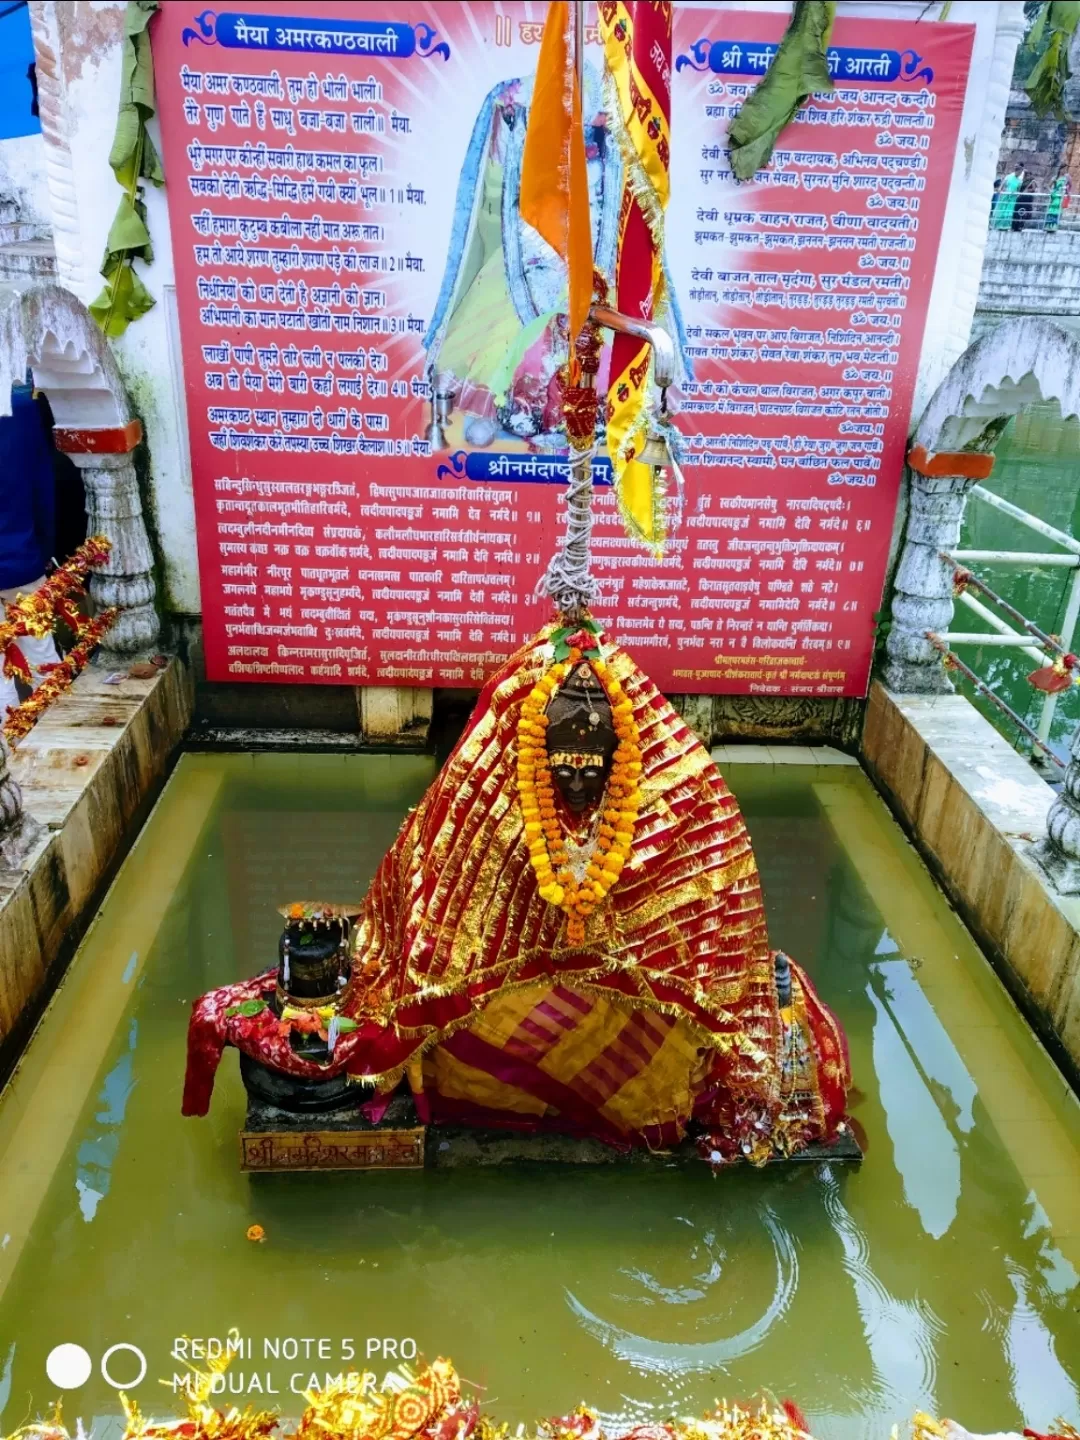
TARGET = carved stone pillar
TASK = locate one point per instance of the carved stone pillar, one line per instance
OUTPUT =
(923, 589)
(19, 831)
(114, 509)
(1059, 851)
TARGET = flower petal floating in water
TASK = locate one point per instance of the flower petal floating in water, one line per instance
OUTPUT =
(256, 1232)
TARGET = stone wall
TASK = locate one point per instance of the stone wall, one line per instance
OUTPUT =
(26, 247)
(1040, 144)
(1031, 272)
(78, 61)
(973, 808)
(88, 772)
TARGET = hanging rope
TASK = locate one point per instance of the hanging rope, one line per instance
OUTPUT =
(568, 579)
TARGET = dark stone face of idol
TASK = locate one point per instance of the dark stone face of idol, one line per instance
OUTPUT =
(580, 740)
(581, 787)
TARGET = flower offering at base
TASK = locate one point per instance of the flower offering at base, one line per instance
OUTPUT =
(429, 1404)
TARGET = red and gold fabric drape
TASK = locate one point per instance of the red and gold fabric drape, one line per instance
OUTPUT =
(465, 977)
(636, 36)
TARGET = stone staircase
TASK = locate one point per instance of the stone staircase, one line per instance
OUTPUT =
(1031, 272)
(26, 247)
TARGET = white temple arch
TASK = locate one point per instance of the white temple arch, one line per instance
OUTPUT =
(47, 331)
(1020, 362)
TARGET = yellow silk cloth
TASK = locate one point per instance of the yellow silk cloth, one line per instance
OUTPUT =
(638, 1071)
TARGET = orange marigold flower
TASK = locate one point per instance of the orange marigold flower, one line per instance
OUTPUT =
(256, 1232)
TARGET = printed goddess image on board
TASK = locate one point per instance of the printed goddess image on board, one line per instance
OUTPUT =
(371, 337)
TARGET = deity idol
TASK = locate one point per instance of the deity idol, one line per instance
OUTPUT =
(567, 935)
(501, 276)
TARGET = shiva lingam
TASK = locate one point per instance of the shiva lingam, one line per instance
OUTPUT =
(313, 972)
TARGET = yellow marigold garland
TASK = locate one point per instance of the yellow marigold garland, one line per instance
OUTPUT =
(536, 789)
(36, 613)
(58, 678)
(428, 1404)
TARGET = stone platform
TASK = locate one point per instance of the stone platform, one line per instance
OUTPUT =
(278, 1141)
(89, 771)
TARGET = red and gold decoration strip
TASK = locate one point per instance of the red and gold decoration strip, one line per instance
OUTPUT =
(429, 1404)
(58, 678)
(37, 614)
(622, 799)
(636, 35)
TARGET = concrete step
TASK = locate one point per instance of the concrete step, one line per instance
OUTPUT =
(23, 232)
(27, 258)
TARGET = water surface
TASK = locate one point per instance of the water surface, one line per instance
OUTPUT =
(942, 1275)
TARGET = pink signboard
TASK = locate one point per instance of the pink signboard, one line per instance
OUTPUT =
(377, 490)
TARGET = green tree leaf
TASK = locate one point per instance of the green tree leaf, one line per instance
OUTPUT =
(128, 230)
(799, 69)
(1046, 81)
(247, 1008)
(133, 157)
(123, 299)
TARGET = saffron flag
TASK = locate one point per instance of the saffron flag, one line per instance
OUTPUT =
(554, 180)
(637, 50)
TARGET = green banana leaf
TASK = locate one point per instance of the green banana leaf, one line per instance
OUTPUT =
(123, 299)
(1045, 84)
(128, 231)
(133, 157)
(799, 69)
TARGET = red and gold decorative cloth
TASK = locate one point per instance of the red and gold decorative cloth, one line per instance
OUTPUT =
(463, 975)
(636, 35)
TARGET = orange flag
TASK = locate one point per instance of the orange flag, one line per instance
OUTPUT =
(554, 181)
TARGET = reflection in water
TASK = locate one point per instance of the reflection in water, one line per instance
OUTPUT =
(675, 1358)
(1041, 1388)
(929, 1042)
(900, 1334)
(98, 1151)
(5, 1378)
(924, 1152)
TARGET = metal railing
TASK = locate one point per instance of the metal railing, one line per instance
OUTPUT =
(1023, 634)
(1034, 210)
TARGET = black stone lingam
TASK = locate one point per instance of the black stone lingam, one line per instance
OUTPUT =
(313, 962)
(313, 970)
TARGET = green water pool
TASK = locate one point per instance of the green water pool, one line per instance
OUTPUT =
(941, 1275)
